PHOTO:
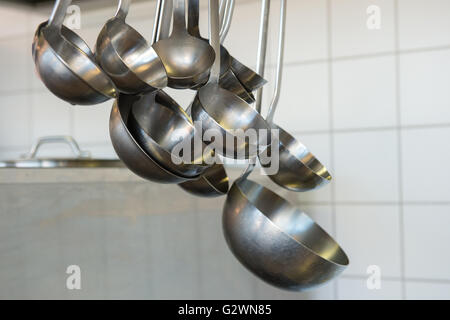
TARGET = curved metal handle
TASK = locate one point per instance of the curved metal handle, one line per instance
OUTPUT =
(157, 23)
(164, 13)
(226, 24)
(179, 17)
(225, 20)
(57, 139)
(260, 62)
(123, 8)
(222, 8)
(262, 48)
(193, 18)
(214, 39)
(58, 13)
(280, 60)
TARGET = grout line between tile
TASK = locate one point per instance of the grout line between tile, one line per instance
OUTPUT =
(372, 129)
(372, 203)
(331, 126)
(364, 56)
(399, 149)
(400, 279)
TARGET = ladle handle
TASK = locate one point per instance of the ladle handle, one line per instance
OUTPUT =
(163, 17)
(157, 23)
(193, 18)
(166, 19)
(214, 39)
(179, 17)
(223, 5)
(122, 9)
(260, 65)
(262, 48)
(280, 60)
(58, 13)
(227, 20)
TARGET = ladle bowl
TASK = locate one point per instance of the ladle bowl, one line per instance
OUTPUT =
(129, 150)
(228, 79)
(166, 132)
(66, 65)
(223, 112)
(299, 170)
(249, 78)
(213, 183)
(68, 69)
(242, 130)
(127, 57)
(187, 59)
(277, 242)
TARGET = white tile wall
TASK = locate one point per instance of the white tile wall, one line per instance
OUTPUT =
(379, 122)
(377, 230)
(267, 292)
(50, 115)
(427, 291)
(364, 93)
(15, 62)
(366, 166)
(305, 20)
(91, 123)
(14, 120)
(349, 33)
(426, 241)
(304, 98)
(422, 23)
(425, 159)
(424, 93)
(356, 289)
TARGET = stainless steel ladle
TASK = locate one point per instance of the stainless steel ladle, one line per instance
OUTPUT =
(213, 183)
(277, 242)
(141, 158)
(299, 170)
(228, 79)
(160, 125)
(65, 63)
(127, 57)
(250, 79)
(129, 150)
(163, 20)
(223, 112)
(187, 59)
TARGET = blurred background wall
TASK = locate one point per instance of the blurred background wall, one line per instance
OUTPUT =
(373, 105)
